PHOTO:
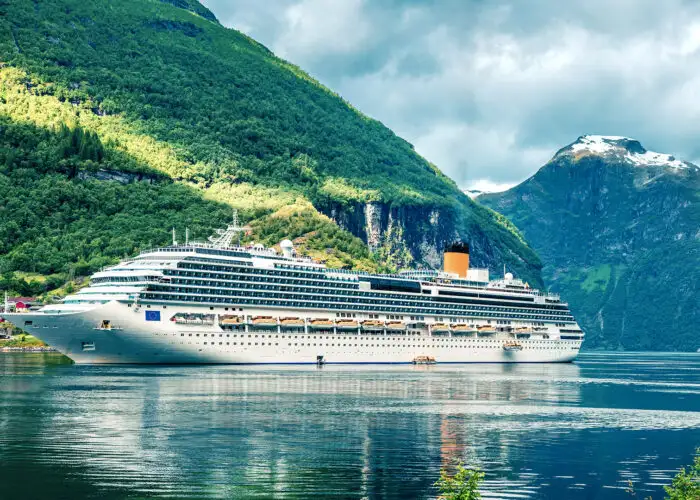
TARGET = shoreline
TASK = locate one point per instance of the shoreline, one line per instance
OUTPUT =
(27, 349)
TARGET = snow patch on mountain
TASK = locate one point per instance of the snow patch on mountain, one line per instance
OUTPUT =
(625, 148)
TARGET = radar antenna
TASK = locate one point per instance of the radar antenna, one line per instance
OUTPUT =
(223, 237)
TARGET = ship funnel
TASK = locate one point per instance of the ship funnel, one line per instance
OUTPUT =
(457, 259)
(287, 248)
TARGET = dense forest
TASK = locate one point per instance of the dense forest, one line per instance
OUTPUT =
(120, 120)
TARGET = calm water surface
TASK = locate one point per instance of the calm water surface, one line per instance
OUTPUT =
(575, 431)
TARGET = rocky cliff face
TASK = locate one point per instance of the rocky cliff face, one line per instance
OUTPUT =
(618, 230)
(424, 232)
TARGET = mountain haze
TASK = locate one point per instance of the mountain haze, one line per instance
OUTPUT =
(119, 120)
(618, 231)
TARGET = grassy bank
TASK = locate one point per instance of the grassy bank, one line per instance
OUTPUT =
(23, 340)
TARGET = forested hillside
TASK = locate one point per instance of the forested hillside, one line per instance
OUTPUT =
(119, 120)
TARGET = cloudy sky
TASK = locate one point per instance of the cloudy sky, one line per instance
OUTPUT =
(488, 90)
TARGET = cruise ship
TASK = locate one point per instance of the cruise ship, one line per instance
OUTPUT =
(216, 302)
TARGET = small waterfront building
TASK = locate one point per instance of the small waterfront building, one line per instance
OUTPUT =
(20, 304)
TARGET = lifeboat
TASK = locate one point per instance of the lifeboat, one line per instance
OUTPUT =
(229, 320)
(321, 323)
(395, 325)
(523, 329)
(485, 329)
(292, 321)
(264, 321)
(512, 346)
(372, 324)
(346, 324)
(463, 327)
(440, 327)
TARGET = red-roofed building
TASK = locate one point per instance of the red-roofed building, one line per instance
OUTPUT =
(21, 303)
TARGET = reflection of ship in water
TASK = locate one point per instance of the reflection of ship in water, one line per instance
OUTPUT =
(289, 429)
(484, 421)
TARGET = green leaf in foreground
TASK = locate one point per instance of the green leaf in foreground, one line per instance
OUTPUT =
(463, 485)
(686, 484)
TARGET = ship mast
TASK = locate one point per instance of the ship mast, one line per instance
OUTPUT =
(223, 237)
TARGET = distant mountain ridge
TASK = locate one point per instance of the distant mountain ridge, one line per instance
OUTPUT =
(618, 230)
(200, 119)
(624, 149)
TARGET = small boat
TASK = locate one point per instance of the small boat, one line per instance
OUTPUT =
(321, 323)
(512, 346)
(424, 360)
(440, 327)
(463, 327)
(346, 324)
(292, 321)
(264, 321)
(395, 325)
(372, 324)
(229, 320)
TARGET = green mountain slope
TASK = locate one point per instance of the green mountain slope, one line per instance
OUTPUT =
(122, 119)
(618, 230)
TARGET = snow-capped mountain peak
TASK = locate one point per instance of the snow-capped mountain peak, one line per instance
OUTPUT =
(623, 148)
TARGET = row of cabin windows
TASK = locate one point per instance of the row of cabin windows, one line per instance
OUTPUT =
(483, 344)
(274, 276)
(374, 306)
(353, 298)
(280, 271)
(251, 270)
(329, 286)
(206, 279)
(326, 337)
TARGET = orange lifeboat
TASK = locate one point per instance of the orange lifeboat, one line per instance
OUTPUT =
(229, 320)
(372, 324)
(264, 321)
(346, 324)
(321, 323)
(463, 327)
(440, 327)
(485, 329)
(292, 321)
(395, 325)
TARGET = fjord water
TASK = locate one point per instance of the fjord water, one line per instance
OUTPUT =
(570, 431)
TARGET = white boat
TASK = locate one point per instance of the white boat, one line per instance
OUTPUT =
(189, 303)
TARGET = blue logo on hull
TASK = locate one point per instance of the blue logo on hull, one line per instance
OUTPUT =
(152, 315)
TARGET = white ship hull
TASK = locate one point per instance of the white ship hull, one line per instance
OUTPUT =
(130, 338)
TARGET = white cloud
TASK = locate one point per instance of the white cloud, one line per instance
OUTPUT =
(488, 91)
(336, 25)
(486, 186)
